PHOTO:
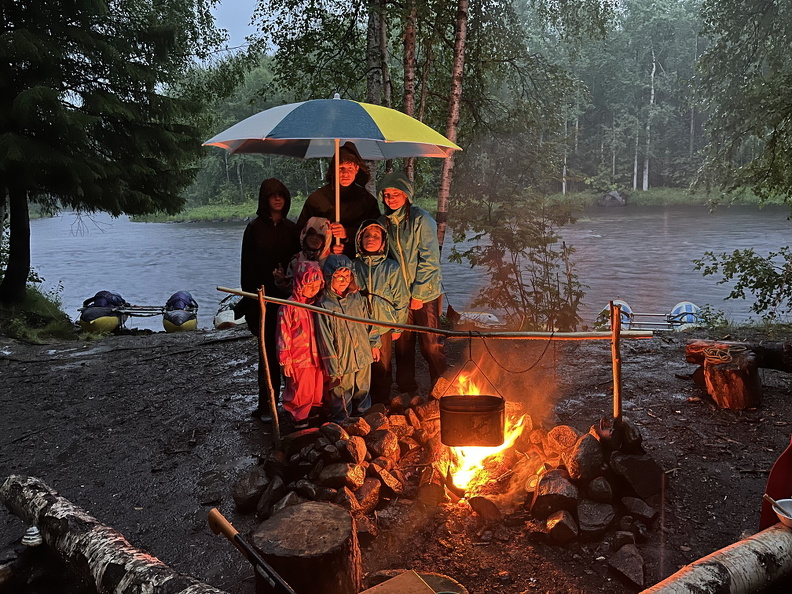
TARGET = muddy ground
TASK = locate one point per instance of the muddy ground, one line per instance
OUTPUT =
(149, 432)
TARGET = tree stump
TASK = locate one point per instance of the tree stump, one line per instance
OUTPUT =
(314, 547)
(735, 383)
(95, 552)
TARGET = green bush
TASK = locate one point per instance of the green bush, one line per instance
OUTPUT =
(38, 319)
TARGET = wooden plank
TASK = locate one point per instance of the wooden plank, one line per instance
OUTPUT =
(408, 582)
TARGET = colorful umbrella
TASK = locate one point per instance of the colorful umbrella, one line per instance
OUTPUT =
(316, 128)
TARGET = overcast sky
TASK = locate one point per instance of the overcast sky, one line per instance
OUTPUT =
(234, 16)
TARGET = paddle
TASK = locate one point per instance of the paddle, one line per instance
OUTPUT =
(779, 486)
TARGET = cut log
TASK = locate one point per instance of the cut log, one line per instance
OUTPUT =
(772, 355)
(735, 384)
(750, 565)
(102, 554)
(314, 547)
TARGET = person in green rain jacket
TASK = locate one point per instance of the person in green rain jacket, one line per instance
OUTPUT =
(347, 348)
(412, 242)
(381, 283)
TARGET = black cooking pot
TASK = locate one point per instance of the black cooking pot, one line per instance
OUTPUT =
(472, 420)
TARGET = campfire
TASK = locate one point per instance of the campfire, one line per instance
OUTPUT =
(560, 482)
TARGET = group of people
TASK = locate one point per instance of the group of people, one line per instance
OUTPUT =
(365, 264)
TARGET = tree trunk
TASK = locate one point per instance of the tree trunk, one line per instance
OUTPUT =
(383, 42)
(453, 117)
(102, 554)
(12, 288)
(649, 124)
(373, 56)
(314, 547)
(749, 565)
(564, 167)
(409, 76)
(635, 159)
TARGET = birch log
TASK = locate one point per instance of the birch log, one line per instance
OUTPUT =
(749, 565)
(88, 546)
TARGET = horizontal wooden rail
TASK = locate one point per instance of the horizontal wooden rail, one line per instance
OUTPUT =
(452, 333)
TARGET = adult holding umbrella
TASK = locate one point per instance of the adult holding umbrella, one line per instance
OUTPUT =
(356, 204)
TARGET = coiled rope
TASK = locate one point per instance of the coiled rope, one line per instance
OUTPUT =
(715, 355)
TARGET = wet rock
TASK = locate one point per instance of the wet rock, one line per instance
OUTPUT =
(561, 438)
(276, 463)
(613, 198)
(399, 404)
(640, 531)
(305, 489)
(333, 432)
(291, 498)
(367, 530)
(356, 426)
(273, 492)
(621, 538)
(342, 475)
(389, 481)
(584, 460)
(594, 518)
(412, 418)
(554, 492)
(356, 448)
(400, 426)
(600, 490)
(292, 443)
(428, 411)
(407, 445)
(561, 527)
(383, 442)
(641, 473)
(368, 495)
(627, 561)
(377, 420)
(346, 499)
(631, 438)
(639, 508)
(485, 508)
(248, 489)
(383, 462)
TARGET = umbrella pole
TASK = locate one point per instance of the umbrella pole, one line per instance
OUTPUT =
(265, 361)
(337, 144)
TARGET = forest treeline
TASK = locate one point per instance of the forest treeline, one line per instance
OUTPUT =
(547, 101)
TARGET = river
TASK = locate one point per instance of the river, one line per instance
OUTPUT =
(640, 254)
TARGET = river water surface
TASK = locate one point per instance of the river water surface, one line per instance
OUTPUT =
(640, 254)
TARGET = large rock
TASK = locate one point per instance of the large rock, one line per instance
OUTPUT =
(561, 527)
(594, 518)
(342, 475)
(641, 473)
(628, 562)
(553, 492)
(584, 461)
(248, 489)
(383, 443)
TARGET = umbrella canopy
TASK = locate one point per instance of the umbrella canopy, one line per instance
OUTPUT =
(315, 128)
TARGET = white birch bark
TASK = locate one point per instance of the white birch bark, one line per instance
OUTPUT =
(453, 117)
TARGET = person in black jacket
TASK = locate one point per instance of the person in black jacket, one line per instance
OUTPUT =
(269, 242)
(356, 203)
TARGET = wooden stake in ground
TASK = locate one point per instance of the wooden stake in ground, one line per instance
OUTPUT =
(270, 391)
(615, 315)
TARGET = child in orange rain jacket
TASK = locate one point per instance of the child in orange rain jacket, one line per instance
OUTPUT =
(297, 351)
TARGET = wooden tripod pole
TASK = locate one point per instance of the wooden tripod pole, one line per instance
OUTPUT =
(615, 316)
(265, 361)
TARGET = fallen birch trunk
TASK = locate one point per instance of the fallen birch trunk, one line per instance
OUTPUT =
(88, 546)
(749, 565)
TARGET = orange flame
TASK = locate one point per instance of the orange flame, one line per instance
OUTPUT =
(468, 472)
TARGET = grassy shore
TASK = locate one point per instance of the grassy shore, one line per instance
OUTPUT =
(652, 197)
